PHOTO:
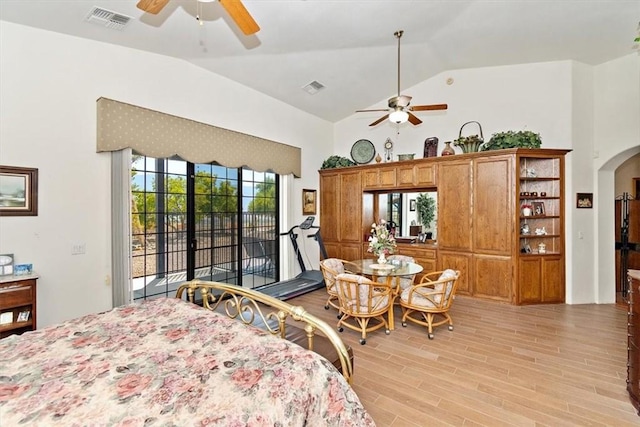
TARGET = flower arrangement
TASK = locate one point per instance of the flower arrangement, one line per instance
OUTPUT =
(526, 206)
(381, 240)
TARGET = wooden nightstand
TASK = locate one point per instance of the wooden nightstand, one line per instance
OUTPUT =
(18, 297)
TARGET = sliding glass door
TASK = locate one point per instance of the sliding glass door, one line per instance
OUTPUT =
(201, 221)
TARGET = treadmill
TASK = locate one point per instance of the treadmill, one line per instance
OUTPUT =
(308, 280)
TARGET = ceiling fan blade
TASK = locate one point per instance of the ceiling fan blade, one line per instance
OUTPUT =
(413, 119)
(152, 6)
(240, 16)
(365, 111)
(380, 120)
(429, 107)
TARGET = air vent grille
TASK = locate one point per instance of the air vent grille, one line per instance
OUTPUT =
(107, 18)
(313, 87)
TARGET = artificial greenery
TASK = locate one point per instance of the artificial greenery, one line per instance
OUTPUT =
(337, 162)
(513, 139)
(426, 209)
(469, 144)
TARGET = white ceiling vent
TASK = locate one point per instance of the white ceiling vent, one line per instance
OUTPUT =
(107, 18)
(313, 87)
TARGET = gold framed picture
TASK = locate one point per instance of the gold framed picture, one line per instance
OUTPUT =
(308, 202)
(18, 191)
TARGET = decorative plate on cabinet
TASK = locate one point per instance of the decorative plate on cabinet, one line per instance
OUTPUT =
(363, 151)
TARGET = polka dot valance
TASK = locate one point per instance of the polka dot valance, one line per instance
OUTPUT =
(162, 135)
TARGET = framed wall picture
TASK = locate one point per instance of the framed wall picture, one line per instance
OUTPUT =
(584, 200)
(308, 202)
(538, 208)
(18, 191)
(412, 205)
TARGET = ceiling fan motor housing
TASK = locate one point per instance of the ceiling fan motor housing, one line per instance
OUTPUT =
(401, 101)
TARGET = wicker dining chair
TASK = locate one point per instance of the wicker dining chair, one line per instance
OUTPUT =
(362, 300)
(400, 283)
(330, 268)
(432, 297)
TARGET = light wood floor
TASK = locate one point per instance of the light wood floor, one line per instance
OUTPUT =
(502, 365)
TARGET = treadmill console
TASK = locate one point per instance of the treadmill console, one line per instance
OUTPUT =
(307, 223)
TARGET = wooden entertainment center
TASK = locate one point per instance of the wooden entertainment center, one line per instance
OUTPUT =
(482, 229)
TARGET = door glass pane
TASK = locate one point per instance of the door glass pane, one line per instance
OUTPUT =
(233, 237)
(259, 228)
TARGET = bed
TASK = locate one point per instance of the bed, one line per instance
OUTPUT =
(169, 362)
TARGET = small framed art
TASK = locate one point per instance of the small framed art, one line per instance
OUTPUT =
(308, 202)
(23, 316)
(412, 205)
(584, 200)
(538, 208)
(6, 264)
(18, 191)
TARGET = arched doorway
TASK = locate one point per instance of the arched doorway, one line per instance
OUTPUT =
(604, 223)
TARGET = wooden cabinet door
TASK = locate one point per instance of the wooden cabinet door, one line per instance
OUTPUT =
(540, 279)
(349, 215)
(351, 251)
(552, 279)
(454, 205)
(379, 178)
(457, 261)
(493, 220)
(330, 207)
(425, 175)
(493, 277)
(405, 176)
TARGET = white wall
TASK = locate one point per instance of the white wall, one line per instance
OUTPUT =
(535, 97)
(616, 139)
(49, 84)
(579, 229)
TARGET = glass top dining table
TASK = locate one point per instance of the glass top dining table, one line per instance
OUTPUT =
(393, 268)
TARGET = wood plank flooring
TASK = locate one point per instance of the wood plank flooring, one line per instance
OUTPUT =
(502, 365)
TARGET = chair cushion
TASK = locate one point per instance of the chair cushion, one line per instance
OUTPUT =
(334, 264)
(447, 274)
(364, 285)
(416, 299)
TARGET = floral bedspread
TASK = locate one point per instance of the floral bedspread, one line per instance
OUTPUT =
(166, 362)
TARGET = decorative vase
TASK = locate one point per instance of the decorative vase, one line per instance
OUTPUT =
(526, 211)
(381, 258)
(448, 149)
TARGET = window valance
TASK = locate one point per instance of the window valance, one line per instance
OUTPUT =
(161, 135)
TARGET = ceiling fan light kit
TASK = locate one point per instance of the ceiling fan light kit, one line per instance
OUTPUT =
(400, 110)
(398, 116)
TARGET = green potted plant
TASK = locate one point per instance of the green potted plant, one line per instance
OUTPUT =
(426, 209)
(337, 162)
(513, 139)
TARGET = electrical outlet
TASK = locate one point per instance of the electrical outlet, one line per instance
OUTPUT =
(79, 249)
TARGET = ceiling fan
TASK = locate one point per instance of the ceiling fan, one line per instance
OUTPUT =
(234, 8)
(400, 109)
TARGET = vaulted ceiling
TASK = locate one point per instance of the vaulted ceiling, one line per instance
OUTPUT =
(348, 45)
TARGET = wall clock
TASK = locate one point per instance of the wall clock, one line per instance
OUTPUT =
(363, 151)
(388, 147)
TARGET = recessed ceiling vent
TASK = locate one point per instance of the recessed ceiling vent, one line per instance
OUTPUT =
(313, 87)
(107, 18)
